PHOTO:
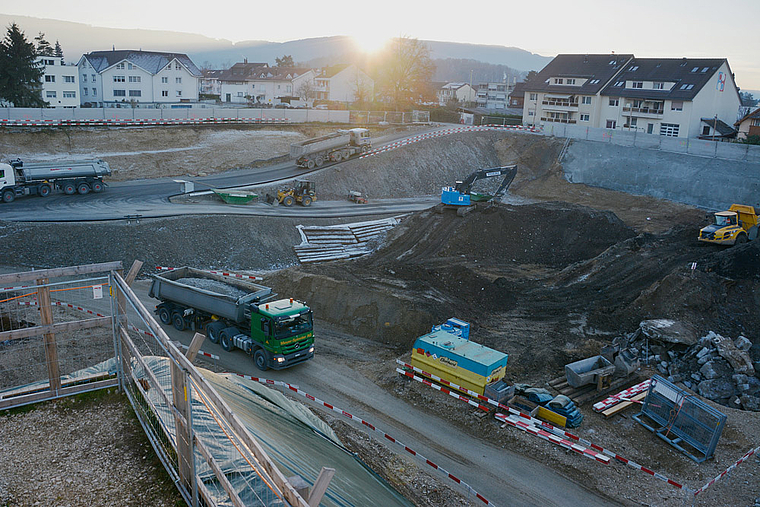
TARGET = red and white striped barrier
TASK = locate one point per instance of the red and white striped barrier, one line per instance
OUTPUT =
(621, 396)
(223, 273)
(20, 287)
(138, 122)
(446, 132)
(61, 303)
(741, 460)
(538, 423)
(370, 426)
(178, 344)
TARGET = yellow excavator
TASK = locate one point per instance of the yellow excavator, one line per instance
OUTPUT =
(736, 226)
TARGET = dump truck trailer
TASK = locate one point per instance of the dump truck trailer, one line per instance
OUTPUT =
(78, 176)
(277, 333)
(334, 147)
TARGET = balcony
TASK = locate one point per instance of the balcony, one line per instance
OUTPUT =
(559, 120)
(644, 112)
(559, 105)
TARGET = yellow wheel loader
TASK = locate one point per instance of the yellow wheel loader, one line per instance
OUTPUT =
(304, 193)
(736, 226)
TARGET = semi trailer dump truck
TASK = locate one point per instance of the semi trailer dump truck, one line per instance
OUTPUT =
(334, 147)
(82, 176)
(277, 333)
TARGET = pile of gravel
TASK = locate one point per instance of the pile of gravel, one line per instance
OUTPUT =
(216, 286)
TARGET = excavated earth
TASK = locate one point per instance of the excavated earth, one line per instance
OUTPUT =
(549, 276)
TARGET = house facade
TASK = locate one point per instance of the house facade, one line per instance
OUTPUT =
(127, 78)
(456, 92)
(492, 95)
(664, 96)
(60, 82)
(749, 125)
(343, 83)
(517, 96)
(258, 83)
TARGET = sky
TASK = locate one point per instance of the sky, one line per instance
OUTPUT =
(646, 28)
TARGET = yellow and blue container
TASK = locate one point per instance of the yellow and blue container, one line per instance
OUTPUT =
(448, 353)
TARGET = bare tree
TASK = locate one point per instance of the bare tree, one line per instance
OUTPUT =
(307, 91)
(406, 71)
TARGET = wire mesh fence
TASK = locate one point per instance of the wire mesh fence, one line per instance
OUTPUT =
(208, 454)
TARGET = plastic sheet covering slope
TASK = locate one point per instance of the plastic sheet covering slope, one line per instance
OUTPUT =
(298, 443)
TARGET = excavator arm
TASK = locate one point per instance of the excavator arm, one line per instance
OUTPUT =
(509, 172)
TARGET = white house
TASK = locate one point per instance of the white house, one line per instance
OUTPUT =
(141, 78)
(457, 92)
(493, 95)
(60, 82)
(258, 83)
(344, 83)
(665, 96)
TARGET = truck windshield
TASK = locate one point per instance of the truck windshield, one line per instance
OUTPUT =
(723, 220)
(294, 325)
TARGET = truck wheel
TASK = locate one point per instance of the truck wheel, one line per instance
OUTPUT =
(346, 154)
(306, 201)
(83, 188)
(260, 360)
(9, 196)
(337, 156)
(69, 188)
(178, 321)
(365, 149)
(288, 201)
(164, 315)
(310, 164)
(741, 239)
(44, 190)
(213, 330)
(319, 161)
(97, 186)
(225, 338)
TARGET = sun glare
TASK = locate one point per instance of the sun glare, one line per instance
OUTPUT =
(370, 42)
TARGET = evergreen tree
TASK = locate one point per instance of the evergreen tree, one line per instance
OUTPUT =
(20, 74)
(43, 47)
(285, 61)
(59, 51)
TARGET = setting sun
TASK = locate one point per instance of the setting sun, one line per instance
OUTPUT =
(370, 42)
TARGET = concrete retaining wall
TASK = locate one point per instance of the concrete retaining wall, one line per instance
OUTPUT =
(706, 182)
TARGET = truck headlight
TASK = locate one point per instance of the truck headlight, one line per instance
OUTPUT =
(311, 349)
(280, 359)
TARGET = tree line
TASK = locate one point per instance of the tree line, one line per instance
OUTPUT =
(20, 72)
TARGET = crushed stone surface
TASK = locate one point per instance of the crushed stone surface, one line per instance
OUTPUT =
(216, 286)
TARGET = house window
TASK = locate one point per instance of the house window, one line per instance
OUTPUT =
(531, 113)
(669, 129)
(165, 80)
(584, 117)
(558, 80)
(50, 94)
(637, 84)
(177, 66)
(614, 102)
(706, 130)
(179, 93)
(93, 78)
(755, 123)
(94, 92)
(594, 81)
(164, 93)
(634, 122)
(634, 68)
(571, 81)
(134, 79)
(69, 95)
(129, 66)
(676, 105)
(68, 79)
(240, 94)
(619, 83)
(84, 78)
(84, 90)
(178, 80)
(533, 96)
(650, 128)
(658, 86)
(120, 66)
(50, 79)
(611, 124)
(119, 93)
(48, 62)
(135, 93)
(695, 69)
(704, 69)
(586, 100)
(119, 79)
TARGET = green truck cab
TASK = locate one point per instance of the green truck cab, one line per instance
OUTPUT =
(285, 331)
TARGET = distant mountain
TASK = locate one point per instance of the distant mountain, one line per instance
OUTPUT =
(78, 38)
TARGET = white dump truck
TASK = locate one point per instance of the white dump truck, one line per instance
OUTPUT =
(333, 147)
(77, 176)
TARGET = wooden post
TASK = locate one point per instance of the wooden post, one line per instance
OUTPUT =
(182, 405)
(51, 349)
(320, 486)
(195, 346)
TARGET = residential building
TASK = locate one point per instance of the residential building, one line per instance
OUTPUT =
(235, 83)
(492, 95)
(210, 83)
(344, 83)
(123, 78)
(665, 96)
(749, 125)
(60, 82)
(456, 92)
(260, 84)
(517, 95)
